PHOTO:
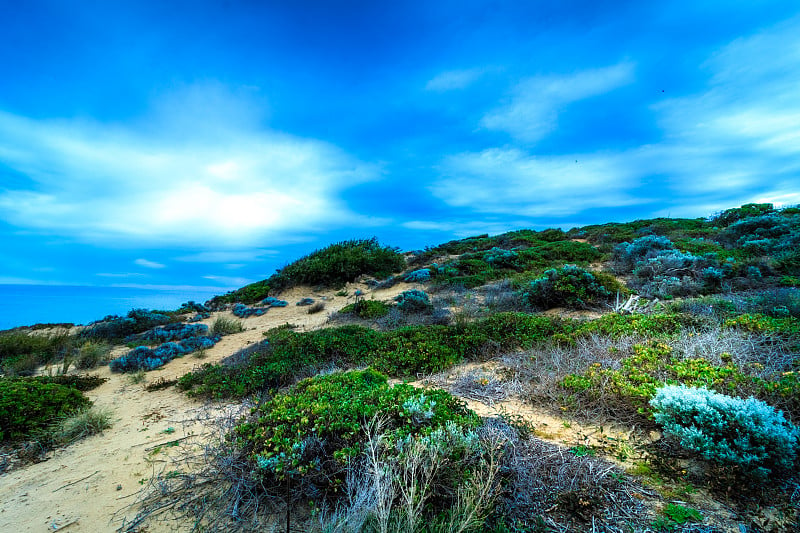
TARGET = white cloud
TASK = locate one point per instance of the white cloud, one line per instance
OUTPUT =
(454, 79)
(533, 110)
(224, 256)
(735, 141)
(192, 174)
(148, 264)
(509, 181)
(229, 281)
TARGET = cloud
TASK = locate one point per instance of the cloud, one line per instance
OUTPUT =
(735, 140)
(119, 274)
(148, 264)
(190, 174)
(229, 281)
(454, 79)
(508, 181)
(533, 110)
(226, 256)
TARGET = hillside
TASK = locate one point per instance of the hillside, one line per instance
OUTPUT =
(640, 376)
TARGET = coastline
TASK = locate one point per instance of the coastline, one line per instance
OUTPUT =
(26, 305)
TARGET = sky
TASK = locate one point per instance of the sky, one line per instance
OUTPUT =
(203, 144)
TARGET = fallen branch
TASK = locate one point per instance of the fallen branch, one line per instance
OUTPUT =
(78, 481)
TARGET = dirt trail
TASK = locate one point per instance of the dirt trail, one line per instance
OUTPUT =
(90, 485)
(84, 486)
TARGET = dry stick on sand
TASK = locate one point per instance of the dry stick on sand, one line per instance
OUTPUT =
(74, 482)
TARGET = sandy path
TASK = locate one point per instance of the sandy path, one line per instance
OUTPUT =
(85, 486)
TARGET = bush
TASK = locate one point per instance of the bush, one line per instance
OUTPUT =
(144, 358)
(91, 354)
(83, 383)
(414, 301)
(22, 352)
(226, 326)
(569, 286)
(27, 406)
(747, 433)
(366, 309)
(249, 294)
(271, 301)
(242, 311)
(311, 431)
(316, 308)
(81, 424)
(627, 254)
(340, 263)
(175, 332)
(729, 216)
(418, 276)
(116, 328)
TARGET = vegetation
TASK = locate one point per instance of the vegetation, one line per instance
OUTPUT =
(406, 351)
(27, 406)
(570, 286)
(331, 266)
(747, 433)
(226, 326)
(366, 309)
(716, 366)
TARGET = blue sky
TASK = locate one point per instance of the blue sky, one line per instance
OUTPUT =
(204, 144)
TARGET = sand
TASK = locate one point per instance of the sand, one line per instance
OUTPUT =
(92, 484)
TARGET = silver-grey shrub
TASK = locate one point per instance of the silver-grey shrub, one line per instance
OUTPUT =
(744, 432)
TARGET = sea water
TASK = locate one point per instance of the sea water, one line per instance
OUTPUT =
(25, 305)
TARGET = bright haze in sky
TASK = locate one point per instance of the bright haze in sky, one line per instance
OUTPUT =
(206, 143)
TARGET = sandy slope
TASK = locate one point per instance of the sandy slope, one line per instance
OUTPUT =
(86, 486)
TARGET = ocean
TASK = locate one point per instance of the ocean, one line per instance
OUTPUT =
(25, 305)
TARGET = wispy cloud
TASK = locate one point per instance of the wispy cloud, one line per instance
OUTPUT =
(229, 281)
(532, 111)
(454, 79)
(149, 264)
(737, 140)
(508, 181)
(225, 256)
(199, 172)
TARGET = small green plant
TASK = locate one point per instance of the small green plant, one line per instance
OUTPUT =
(317, 307)
(366, 309)
(226, 326)
(91, 354)
(85, 422)
(136, 377)
(674, 515)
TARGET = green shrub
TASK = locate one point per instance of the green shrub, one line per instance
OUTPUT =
(83, 423)
(366, 309)
(226, 326)
(27, 406)
(22, 352)
(747, 433)
(406, 351)
(82, 382)
(340, 263)
(570, 286)
(632, 385)
(311, 431)
(729, 216)
(659, 325)
(249, 294)
(91, 354)
(414, 301)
